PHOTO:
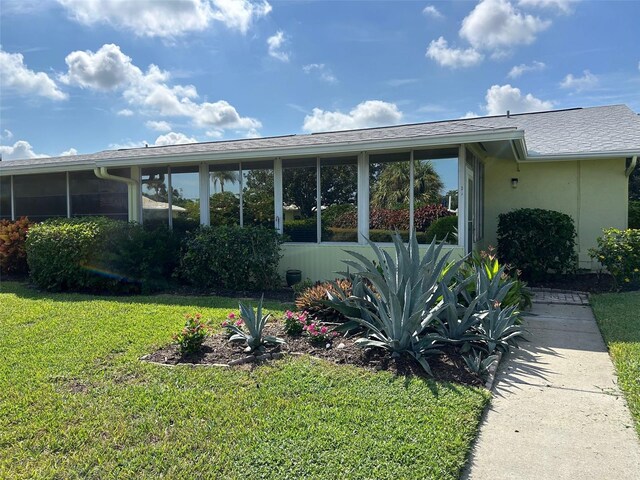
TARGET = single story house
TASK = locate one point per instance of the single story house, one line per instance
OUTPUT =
(343, 183)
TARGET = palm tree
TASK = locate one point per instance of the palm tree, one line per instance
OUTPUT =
(391, 188)
(220, 177)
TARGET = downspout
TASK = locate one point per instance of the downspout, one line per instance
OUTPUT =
(632, 166)
(101, 172)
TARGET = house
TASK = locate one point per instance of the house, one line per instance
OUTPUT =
(576, 161)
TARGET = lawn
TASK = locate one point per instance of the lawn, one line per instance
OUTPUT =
(75, 402)
(618, 316)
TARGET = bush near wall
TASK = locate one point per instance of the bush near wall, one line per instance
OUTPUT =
(634, 213)
(619, 252)
(537, 241)
(443, 228)
(232, 257)
(100, 255)
(13, 254)
(386, 219)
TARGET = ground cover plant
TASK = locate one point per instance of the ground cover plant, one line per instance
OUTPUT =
(618, 316)
(77, 402)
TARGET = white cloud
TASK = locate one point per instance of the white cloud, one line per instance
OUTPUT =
(214, 134)
(18, 151)
(276, 44)
(501, 98)
(433, 12)
(496, 24)
(518, 70)
(67, 153)
(439, 51)
(168, 19)
(564, 6)
(371, 113)
(17, 77)
(159, 126)
(174, 138)
(470, 115)
(151, 92)
(7, 134)
(587, 81)
(252, 133)
(326, 75)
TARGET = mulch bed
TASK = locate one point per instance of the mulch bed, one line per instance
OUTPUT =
(581, 282)
(217, 350)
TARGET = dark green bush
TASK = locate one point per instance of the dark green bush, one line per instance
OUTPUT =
(303, 230)
(537, 241)
(333, 212)
(100, 255)
(634, 214)
(444, 227)
(232, 257)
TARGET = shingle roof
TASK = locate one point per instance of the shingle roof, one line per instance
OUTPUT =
(577, 131)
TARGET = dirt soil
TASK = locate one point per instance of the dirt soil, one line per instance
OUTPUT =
(581, 282)
(342, 351)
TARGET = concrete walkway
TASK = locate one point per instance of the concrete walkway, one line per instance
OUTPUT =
(557, 411)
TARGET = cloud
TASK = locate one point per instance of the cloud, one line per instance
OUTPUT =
(159, 126)
(125, 112)
(439, 51)
(470, 115)
(151, 92)
(587, 81)
(6, 134)
(371, 113)
(18, 78)
(401, 82)
(565, 6)
(275, 46)
(67, 153)
(433, 12)
(325, 74)
(19, 151)
(501, 98)
(518, 70)
(174, 138)
(496, 24)
(167, 19)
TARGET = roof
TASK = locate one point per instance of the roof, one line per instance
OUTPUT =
(607, 130)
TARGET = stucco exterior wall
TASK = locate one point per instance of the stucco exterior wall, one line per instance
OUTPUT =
(593, 192)
(321, 261)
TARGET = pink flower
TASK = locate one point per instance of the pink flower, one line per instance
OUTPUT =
(239, 322)
(323, 330)
(231, 316)
(288, 314)
(225, 324)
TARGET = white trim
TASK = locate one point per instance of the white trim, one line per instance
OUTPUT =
(462, 165)
(134, 194)
(204, 193)
(169, 198)
(68, 196)
(363, 198)
(240, 201)
(278, 218)
(412, 184)
(318, 203)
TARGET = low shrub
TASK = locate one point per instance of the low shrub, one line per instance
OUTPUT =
(332, 213)
(192, 335)
(619, 252)
(294, 323)
(311, 301)
(537, 241)
(303, 230)
(232, 257)
(13, 254)
(634, 214)
(343, 234)
(100, 255)
(443, 228)
(424, 217)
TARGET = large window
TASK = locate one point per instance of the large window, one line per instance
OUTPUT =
(257, 194)
(299, 187)
(92, 196)
(339, 194)
(185, 198)
(224, 203)
(40, 196)
(155, 196)
(5, 198)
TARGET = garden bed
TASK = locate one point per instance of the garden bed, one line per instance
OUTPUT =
(217, 350)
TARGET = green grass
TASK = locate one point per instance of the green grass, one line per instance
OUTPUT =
(618, 315)
(75, 402)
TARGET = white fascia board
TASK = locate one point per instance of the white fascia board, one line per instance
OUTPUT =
(568, 157)
(6, 170)
(315, 150)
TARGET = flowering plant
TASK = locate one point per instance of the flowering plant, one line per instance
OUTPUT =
(193, 334)
(298, 323)
(319, 333)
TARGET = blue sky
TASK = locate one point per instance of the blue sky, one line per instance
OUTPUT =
(80, 76)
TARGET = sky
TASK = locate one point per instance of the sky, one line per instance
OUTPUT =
(81, 76)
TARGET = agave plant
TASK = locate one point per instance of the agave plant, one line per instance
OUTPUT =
(397, 299)
(498, 329)
(478, 363)
(456, 324)
(254, 323)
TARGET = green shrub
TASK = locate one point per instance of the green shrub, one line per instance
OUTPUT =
(192, 335)
(101, 255)
(619, 252)
(343, 234)
(331, 214)
(536, 241)
(443, 228)
(13, 255)
(303, 230)
(387, 236)
(232, 257)
(634, 214)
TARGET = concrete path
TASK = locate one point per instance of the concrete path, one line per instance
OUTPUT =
(557, 412)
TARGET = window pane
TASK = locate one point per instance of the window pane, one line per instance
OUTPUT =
(389, 196)
(185, 198)
(339, 190)
(155, 196)
(91, 195)
(5, 198)
(299, 199)
(224, 203)
(40, 196)
(257, 194)
(435, 194)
